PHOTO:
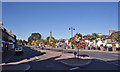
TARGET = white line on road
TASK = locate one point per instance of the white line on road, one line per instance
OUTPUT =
(36, 57)
(28, 67)
(74, 68)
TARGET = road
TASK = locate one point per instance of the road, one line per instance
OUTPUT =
(105, 56)
(48, 59)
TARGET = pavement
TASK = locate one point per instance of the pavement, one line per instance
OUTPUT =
(73, 62)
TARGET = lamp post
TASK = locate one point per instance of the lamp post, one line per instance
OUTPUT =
(71, 32)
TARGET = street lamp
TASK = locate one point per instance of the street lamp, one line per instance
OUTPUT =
(71, 32)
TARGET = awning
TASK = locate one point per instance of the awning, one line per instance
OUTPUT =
(114, 43)
(2, 41)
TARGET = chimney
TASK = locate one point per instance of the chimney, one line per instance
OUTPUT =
(1, 24)
(110, 32)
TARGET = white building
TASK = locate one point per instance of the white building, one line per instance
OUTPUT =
(99, 34)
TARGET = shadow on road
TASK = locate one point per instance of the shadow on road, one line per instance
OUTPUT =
(52, 64)
(28, 53)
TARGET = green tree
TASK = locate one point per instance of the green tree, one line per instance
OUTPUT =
(42, 40)
(19, 41)
(34, 37)
(46, 42)
(55, 41)
(94, 37)
(29, 43)
(90, 37)
(49, 37)
(102, 38)
(116, 37)
(37, 42)
(24, 42)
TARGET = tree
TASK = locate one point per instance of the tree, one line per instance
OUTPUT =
(33, 43)
(90, 37)
(19, 41)
(29, 43)
(55, 41)
(46, 42)
(24, 42)
(34, 37)
(102, 38)
(42, 40)
(37, 42)
(94, 37)
(49, 37)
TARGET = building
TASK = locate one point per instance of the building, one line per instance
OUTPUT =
(107, 38)
(8, 40)
(99, 34)
(111, 31)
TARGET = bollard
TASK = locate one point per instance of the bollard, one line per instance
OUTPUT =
(86, 48)
(101, 48)
(90, 47)
(114, 48)
(107, 49)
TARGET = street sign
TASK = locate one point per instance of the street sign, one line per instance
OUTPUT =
(75, 53)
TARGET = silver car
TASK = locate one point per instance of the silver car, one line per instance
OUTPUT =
(19, 50)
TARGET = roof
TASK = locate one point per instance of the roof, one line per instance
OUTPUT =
(112, 35)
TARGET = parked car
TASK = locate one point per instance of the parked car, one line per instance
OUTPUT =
(19, 50)
(110, 48)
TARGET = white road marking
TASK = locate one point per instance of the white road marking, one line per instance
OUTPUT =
(74, 68)
(108, 63)
(36, 57)
(27, 68)
(9, 58)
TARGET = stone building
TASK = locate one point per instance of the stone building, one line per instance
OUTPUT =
(111, 35)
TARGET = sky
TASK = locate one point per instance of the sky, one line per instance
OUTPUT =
(25, 18)
(60, 0)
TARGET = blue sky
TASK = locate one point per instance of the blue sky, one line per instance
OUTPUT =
(24, 18)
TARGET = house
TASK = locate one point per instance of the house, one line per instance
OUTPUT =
(99, 34)
(112, 33)
(8, 40)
